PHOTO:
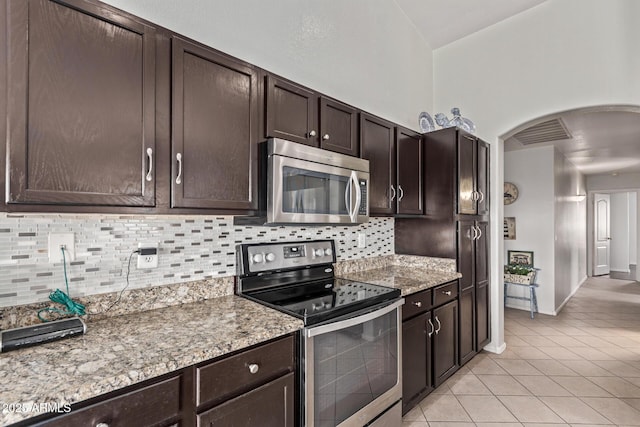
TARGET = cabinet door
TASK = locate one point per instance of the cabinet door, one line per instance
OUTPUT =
(482, 286)
(214, 129)
(81, 116)
(377, 146)
(416, 359)
(482, 183)
(270, 406)
(467, 325)
(445, 342)
(481, 256)
(466, 174)
(409, 168)
(338, 127)
(466, 253)
(291, 112)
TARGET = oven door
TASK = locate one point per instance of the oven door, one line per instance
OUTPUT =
(353, 368)
(303, 192)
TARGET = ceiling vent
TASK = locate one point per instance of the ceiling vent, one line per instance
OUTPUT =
(552, 130)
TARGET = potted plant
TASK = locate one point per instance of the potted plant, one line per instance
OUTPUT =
(517, 273)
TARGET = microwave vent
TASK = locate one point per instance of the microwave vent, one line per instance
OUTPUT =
(551, 130)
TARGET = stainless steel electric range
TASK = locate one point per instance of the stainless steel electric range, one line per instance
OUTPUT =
(351, 345)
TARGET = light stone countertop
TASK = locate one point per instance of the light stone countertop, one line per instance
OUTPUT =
(124, 350)
(408, 279)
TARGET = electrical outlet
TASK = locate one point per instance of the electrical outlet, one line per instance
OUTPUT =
(362, 240)
(148, 255)
(66, 240)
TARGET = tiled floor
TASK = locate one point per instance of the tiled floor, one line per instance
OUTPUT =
(579, 368)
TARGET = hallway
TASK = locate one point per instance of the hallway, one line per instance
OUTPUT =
(581, 367)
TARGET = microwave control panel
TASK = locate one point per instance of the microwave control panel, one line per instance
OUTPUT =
(363, 194)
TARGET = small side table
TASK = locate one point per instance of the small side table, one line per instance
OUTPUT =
(533, 300)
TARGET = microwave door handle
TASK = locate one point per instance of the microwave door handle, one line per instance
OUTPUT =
(347, 197)
(356, 186)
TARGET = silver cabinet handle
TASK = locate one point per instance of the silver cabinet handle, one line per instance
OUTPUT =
(325, 137)
(481, 195)
(393, 193)
(439, 325)
(432, 328)
(179, 177)
(254, 368)
(446, 292)
(417, 303)
(150, 158)
(400, 193)
(479, 232)
(473, 233)
(312, 133)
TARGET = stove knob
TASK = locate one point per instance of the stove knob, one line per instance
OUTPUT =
(270, 257)
(315, 306)
(328, 251)
(319, 252)
(257, 258)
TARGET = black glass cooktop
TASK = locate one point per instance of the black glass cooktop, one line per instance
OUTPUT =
(322, 300)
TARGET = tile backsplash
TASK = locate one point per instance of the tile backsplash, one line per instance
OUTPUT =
(190, 248)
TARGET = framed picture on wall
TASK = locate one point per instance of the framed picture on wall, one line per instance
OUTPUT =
(510, 228)
(524, 258)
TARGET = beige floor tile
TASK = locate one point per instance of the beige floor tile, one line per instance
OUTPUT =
(618, 368)
(467, 384)
(414, 423)
(615, 410)
(551, 367)
(529, 409)
(414, 415)
(633, 402)
(561, 353)
(528, 353)
(499, 424)
(486, 409)
(443, 407)
(509, 353)
(617, 386)
(593, 342)
(539, 341)
(587, 369)
(544, 425)
(517, 367)
(592, 354)
(573, 410)
(566, 341)
(515, 341)
(580, 386)
(487, 367)
(504, 385)
(449, 424)
(542, 386)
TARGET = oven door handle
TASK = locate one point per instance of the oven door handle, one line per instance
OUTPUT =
(331, 327)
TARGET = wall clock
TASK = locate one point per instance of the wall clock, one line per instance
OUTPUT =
(510, 193)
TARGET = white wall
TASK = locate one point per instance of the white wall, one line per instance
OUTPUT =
(633, 228)
(363, 52)
(570, 227)
(532, 172)
(619, 230)
(558, 56)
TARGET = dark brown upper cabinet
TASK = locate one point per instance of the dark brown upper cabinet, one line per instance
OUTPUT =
(215, 131)
(473, 170)
(409, 172)
(377, 144)
(81, 99)
(338, 127)
(291, 112)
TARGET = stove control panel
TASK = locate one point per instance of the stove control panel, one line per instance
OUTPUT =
(262, 257)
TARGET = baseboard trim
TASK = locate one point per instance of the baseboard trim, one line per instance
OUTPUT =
(566, 300)
(620, 271)
(492, 348)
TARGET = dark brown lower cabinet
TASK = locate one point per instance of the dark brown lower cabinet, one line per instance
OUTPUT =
(269, 405)
(483, 318)
(429, 342)
(467, 303)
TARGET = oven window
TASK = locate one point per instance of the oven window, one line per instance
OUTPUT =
(312, 192)
(352, 367)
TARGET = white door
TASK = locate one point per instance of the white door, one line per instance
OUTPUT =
(602, 238)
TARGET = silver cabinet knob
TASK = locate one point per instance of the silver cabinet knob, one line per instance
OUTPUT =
(312, 133)
(325, 137)
(102, 425)
(417, 303)
(446, 292)
(254, 368)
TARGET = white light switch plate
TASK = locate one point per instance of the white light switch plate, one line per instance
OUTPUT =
(362, 240)
(58, 239)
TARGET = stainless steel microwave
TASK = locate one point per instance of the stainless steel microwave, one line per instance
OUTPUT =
(308, 185)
